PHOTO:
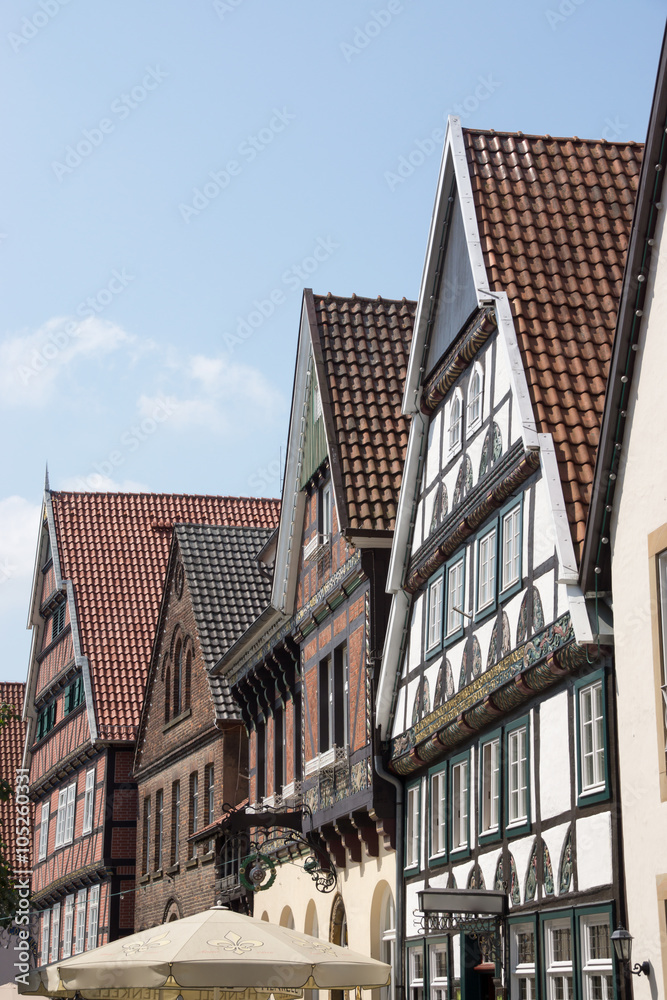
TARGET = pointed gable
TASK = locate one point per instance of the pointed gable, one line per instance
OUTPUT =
(554, 219)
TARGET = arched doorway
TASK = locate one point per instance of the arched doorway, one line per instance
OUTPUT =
(338, 934)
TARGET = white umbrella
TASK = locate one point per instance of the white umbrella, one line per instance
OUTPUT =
(217, 951)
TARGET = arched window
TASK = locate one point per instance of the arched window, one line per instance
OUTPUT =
(456, 422)
(475, 399)
(186, 680)
(178, 679)
(167, 691)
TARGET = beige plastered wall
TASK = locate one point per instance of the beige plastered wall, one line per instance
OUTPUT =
(639, 533)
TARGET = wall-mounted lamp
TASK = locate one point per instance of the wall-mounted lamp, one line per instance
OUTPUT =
(623, 947)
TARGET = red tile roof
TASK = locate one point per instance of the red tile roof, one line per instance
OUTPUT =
(12, 739)
(114, 547)
(365, 345)
(554, 218)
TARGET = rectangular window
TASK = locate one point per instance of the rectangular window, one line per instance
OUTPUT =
(93, 917)
(260, 743)
(412, 819)
(147, 834)
(438, 813)
(439, 971)
(73, 695)
(55, 932)
(517, 775)
(175, 821)
(89, 801)
(44, 831)
(511, 548)
(58, 620)
(60, 818)
(210, 799)
(70, 814)
(68, 926)
(46, 720)
(459, 780)
(326, 704)
(159, 828)
(558, 955)
(486, 570)
(591, 722)
(490, 786)
(522, 953)
(278, 749)
(341, 697)
(455, 597)
(46, 927)
(80, 936)
(596, 958)
(434, 630)
(416, 973)
(194, 810)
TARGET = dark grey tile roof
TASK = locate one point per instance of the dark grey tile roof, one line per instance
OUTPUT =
(228, 592)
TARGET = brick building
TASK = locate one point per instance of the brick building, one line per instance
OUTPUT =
(12, 739)
(99, 572)
(191, 759)
(305, 673)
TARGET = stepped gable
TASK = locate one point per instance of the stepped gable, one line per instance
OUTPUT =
(115, 548)
(228, 592)
(365, 346)
(554, 218)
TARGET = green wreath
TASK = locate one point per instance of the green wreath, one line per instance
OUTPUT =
(253, 872)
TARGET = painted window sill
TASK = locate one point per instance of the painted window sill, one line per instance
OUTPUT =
(178, 718)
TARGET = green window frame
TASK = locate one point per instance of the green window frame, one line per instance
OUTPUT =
(459, 805)
(490, 764)
(591, 967)
(412, 859)
(435, 613)
(439, 986)
(73, 695)
(592, 740)
(487, 552)
(451, 566)
(513, 585)
(415, 972)
(438, 801)
(58, 620)
(520, 966)
(558, 975)
(517, 791)
(46, 720)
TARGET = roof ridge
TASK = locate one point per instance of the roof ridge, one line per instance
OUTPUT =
(552, 138)
(362, 298)
(148, 493)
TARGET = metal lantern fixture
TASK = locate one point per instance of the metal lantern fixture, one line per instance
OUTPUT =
(623, 947)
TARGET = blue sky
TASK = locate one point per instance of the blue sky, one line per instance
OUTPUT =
(174, 173)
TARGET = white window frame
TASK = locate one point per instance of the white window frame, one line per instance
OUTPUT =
(412, 826)
(592, 726)
(68, 926)
(434, 613)
(55, 932)
(594, 967)
(455, 573)
(558, 969)
(460, 783)
(518, 750)
(387, 939)
(522, 971)
(89, 801)
(489, 766)
(438, 813)
(487, 569)
(60, 817)
(438, 984)
(93, 917)
(46, 937)
(416, 983)
(455, 424)
(474, 420)
(80, 936)
(511, 545)
(70, 814)
(44, 830)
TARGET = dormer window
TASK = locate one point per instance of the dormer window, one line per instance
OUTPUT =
(474, 413)
(456, 422)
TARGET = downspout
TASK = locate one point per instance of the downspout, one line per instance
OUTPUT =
(397, 972)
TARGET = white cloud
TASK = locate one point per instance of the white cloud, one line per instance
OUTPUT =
(95, 482)
(30, 363)
(19, 529)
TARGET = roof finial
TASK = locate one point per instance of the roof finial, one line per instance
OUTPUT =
(46, 479)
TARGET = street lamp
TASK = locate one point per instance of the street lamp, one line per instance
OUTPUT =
(623, 947)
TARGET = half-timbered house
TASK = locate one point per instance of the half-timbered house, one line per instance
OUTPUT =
(15, 844)
(100, 565)
(305, 672)
(191, 760)
(496, 694)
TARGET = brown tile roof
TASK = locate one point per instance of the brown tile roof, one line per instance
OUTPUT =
(12, 739)
(115, 547)
(365, 346)
(554, 218)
